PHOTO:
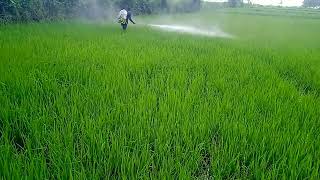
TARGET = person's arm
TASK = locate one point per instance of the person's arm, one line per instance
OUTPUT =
(130, 18)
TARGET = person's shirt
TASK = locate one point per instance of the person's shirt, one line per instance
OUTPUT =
(123, 14)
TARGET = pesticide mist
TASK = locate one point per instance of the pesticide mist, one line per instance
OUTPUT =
(216, 32)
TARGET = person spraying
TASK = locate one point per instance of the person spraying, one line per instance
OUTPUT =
(124, 18)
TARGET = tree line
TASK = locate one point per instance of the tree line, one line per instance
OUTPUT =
(36, 10)
(311, 3)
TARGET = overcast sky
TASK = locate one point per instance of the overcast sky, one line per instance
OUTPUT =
(270, 2)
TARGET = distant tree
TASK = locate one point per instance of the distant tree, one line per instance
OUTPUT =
(235, 3)
(163, 4)
(36, 10)
(311, 3)
(196, 5)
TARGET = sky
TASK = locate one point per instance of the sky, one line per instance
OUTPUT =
(270, 2)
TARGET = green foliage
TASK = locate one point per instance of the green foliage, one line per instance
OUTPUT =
(235, 3)
(311, 3)
(87, 101)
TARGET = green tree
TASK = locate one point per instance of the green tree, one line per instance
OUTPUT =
(311, 3)
(235, 3)
(35, 10)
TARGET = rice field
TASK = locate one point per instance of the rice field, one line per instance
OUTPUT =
(83, 100)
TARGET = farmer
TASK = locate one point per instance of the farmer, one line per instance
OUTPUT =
(124, 17)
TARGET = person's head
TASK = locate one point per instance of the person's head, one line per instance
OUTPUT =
(128, 9)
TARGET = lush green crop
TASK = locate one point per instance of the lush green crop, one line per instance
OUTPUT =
(81, 100)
